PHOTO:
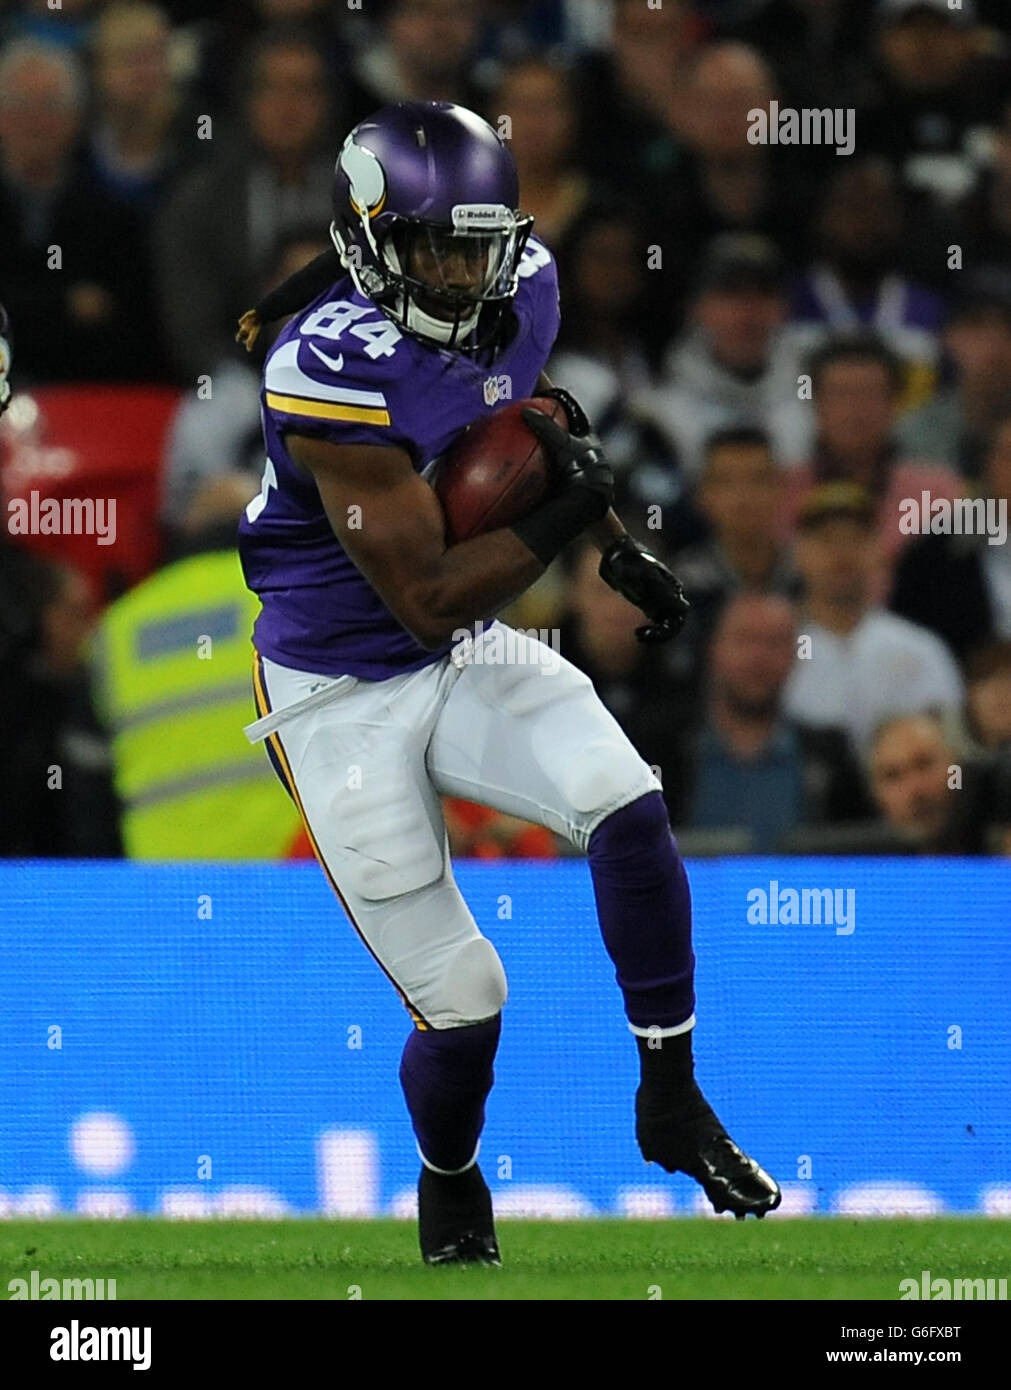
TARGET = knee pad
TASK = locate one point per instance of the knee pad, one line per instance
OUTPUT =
(473, 985)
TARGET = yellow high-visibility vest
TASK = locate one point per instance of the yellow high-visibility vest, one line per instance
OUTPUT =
(173, 683)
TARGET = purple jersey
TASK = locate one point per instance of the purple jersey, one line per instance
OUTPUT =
(343, 371)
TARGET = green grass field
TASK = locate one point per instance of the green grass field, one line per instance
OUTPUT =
(688, 1259)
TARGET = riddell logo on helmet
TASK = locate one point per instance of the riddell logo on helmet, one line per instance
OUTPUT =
(488, 216)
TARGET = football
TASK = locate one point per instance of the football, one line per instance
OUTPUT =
(495, 472)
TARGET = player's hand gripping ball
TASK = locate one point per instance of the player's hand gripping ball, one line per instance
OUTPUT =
(575, 454)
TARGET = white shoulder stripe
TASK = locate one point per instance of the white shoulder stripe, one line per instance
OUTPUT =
(286, 378)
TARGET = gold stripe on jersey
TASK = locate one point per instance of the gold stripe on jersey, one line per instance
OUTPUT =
(326, 410)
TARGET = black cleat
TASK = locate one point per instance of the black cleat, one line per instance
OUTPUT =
(469, 1249)
(697, 1144)
(455, 1223)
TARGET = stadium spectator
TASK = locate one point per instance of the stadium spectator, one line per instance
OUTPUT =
(602, 348)
(857, 385)
(74, 272)
(910, 758)
(938, 89)
(860, 663)
(859, 279)
(930, 799)
(988, 698)
(57, 797)
(514, 28)
(628, 95)
(136, 138)
(649, 690)
(221, 222)
(739, 495)
(749, 765)
(219, 437)
(603, 356)
(984, 215)
(728, 183)
(216, 44)
(424, 51)
(650, 491)
(960, 584)
(955, 425)
(66, 25)
(172, 671)
(818, 49)
(535, 97)
(733, 365)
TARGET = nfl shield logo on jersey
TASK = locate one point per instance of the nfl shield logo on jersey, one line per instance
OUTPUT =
(497, 388)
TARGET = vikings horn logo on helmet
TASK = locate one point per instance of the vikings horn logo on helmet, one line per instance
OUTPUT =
(366, 177)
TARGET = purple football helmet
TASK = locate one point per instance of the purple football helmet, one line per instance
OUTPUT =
(426, 221)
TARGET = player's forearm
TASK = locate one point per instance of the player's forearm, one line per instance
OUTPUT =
(472, 580)
(479, 577)
(604, 533)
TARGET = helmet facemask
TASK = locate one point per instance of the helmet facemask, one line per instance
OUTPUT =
(439, 282)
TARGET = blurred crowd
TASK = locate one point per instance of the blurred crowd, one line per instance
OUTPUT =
(782, 345)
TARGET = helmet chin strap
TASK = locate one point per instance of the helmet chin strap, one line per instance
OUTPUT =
(417, 321)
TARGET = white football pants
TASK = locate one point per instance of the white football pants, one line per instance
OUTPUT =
(504, 722)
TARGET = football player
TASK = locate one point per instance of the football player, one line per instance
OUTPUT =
(371, 701)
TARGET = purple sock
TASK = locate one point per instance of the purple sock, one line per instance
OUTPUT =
(446, 1074)
(645, 910)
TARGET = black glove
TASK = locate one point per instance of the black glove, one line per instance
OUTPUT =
(636, 573)
(582, 484)
(576, 460)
